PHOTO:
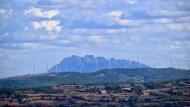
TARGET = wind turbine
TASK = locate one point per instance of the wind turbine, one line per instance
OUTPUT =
(96, 62)
(109, 63)
(56, 67)
(188, 63)
(47, 66)
(138, 59)
(155, 62)
(80, 64)
(34, 68)
(88, 60)
(171, 62)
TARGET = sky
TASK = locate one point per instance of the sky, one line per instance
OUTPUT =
(45, 31)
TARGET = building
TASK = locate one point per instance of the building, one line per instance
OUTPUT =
(102, 92)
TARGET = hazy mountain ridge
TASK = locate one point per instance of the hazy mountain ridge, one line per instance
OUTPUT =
(89, 63)
(103, 76)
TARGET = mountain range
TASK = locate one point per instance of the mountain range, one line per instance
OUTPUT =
(89, 63)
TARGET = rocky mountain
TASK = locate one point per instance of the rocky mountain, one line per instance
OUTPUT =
(89, 63)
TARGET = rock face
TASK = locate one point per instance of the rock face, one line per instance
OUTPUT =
(89, 63)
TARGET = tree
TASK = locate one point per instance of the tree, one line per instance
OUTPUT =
(138, 90)
(132, 101)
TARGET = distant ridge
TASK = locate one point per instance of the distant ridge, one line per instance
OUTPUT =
(89, 63)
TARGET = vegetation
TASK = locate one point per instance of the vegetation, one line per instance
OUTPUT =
(132, 102)
(154, 85)
(7, 91)
(174, 93)
(104, 76)
(113, 88)
(138, 89)
(47, 90)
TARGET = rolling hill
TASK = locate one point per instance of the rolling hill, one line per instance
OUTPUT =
(99, 77)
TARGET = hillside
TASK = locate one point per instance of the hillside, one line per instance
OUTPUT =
(103, 76)
(89, 63)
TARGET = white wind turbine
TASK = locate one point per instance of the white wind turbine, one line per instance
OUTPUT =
(188, 64)
(80, 64)
(155, 62)
(171, 62)
(34, 68)
(47, 66)
(96, 62)
(138, 59)
(56, 67)
(109, 63)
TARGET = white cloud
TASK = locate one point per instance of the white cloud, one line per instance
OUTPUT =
(162, 20)
(96, 39)
(48, 37)
(21, 45)
(167, 13)
(26, 45)
(78, 3)
(31, 45)
(131, 2)
(179, 56)
(179, 26)
(115, 17)
(174, 45)
(4, 35)
(44, 14)
(5, 13)
(64, 41)
(49, 25)
(129, 44)
(116, 14)
(115, 31)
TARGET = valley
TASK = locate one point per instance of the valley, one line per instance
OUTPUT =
(170, 93)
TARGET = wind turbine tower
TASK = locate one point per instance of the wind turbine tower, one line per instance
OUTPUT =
(96, 62)
(34, 68)
(155, 62)
(171, 62)
(80, 64)
(138, 59)
(109, 63)
(188, 64)
(56, 64)
(47, 66)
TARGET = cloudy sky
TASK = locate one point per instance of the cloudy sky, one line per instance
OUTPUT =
(40, 31)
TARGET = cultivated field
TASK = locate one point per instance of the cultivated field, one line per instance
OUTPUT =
(173, 93)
